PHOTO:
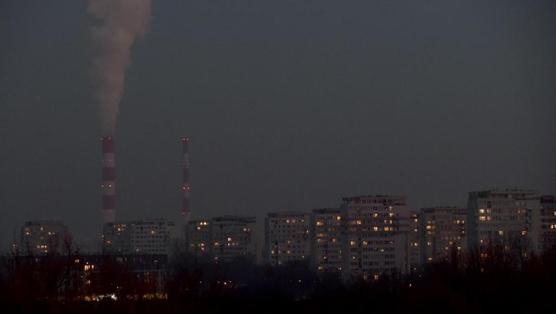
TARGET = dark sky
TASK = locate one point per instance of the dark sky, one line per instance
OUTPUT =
(290, 104)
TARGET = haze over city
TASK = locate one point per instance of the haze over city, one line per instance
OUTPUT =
(290, 105)
(277, 156)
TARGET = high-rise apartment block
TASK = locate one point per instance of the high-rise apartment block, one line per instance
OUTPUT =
(44, 237)
(223, 238)
(376, 236)
(504, 218)
(232, 237)
(442, 233)
(148, 236)
(547, 223)
(287, 237)
(198, 237)
(329, 238)
(414, 239)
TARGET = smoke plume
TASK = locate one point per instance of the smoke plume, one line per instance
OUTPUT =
(120, 22)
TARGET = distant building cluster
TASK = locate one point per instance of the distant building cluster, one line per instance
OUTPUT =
(367, 236)
(363, 237)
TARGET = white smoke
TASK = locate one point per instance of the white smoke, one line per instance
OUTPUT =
(120, 22)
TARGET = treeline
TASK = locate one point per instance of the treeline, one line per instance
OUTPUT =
(496, 281)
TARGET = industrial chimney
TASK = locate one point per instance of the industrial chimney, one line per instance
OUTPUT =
(108, 180)
(185, 185)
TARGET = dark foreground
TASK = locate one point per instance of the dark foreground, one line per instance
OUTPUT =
(494, 285)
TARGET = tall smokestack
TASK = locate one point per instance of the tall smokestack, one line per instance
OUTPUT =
(185, 184)
(108, 179)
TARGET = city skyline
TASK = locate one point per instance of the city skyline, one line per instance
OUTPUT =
(277, 156)
(278, 122)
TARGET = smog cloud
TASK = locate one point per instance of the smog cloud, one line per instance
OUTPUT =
(119, 24)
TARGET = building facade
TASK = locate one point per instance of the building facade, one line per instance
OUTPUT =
(442, 233)
(44, 237)
(232, 237)
(414, 240)
(198, 237)
(547, 223)
(223, 238)
(148, 236)
(377, 240)
(503, 218)
(287, 238)
(329, 234)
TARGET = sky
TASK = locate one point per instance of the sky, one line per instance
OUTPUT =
(290, 105)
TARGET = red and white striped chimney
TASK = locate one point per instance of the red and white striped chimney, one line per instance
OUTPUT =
(108, 180)
(185, 185)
